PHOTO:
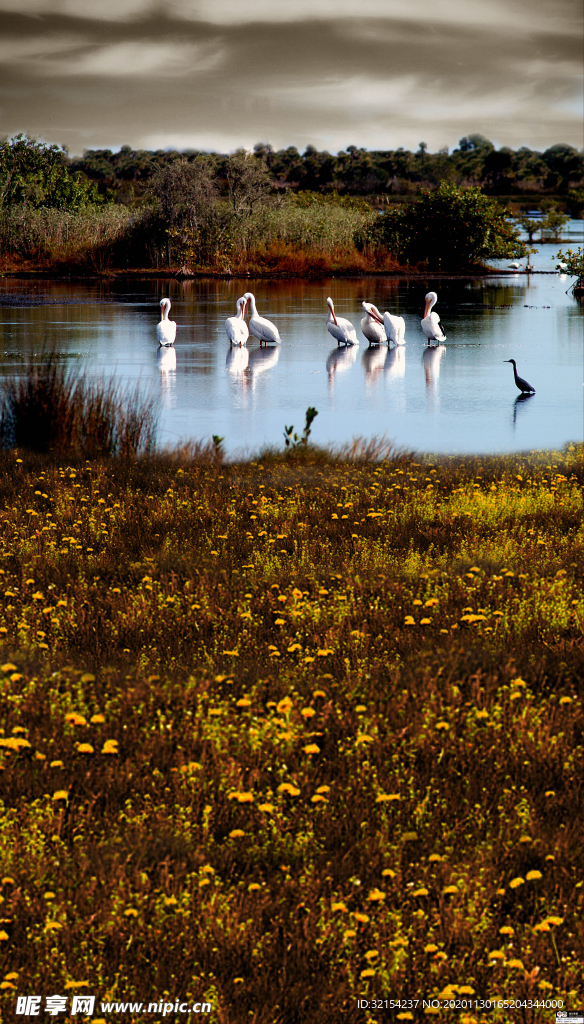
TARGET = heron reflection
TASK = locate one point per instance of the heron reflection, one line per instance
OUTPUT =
(520, 400)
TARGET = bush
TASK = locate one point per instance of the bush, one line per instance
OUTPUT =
(448, 229)
(50, 408)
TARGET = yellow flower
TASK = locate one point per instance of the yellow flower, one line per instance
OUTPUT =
(376, 896)
(311, 748)
(565, 700)
(420, 892)
(97, 719)
(368, 973)
(516, 963)
(242, 798)
(543, 926)
(244, 702)
(323, 789)
(287, 787)
(387, 873)
(387, 797)
(130, 912)
(532, 875)
(363, 918)
(409, 620)
(60, 794)
(450, 889)
(371, 954)
(506, 930)
(496, 954)
(268, 808)
(555, 920)
(284, 706)
(253, 887)
(339, 906)
(443, 725)
(236, 833)
(308, 712)
(110, 747)
(74, 719)
(430, 948)
(516, 882)
(85, 748)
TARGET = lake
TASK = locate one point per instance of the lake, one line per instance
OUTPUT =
(460, 397)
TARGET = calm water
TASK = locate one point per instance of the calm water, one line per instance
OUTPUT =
(458, 398)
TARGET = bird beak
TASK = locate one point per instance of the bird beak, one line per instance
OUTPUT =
(375, 317)
(427, 309)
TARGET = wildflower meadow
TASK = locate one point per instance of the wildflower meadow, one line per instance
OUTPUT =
(293, 733)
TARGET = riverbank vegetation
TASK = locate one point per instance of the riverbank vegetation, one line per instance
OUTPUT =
(284, 734)
(270, 213)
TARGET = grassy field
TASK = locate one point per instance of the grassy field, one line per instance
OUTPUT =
(292, 733)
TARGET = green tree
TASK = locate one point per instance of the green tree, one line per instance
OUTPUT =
(449, 228)
(35, 174)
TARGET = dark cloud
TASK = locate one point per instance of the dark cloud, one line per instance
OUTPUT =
(166, 77)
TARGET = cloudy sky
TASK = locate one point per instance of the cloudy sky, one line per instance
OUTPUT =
(218, 74)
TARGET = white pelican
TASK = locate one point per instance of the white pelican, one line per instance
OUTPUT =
(515, 265)
(431, 322)
(165, 329)
(342, 330)
(395, 328)
(372, 324)
(236, 327)
(521, 384)
(263, 329)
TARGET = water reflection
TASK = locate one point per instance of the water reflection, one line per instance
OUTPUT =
(166, 360)
(261, 360)
(431, 359)
(373, 363)
(237, 360)
(340, 359)
(395, 362)
(520, 400)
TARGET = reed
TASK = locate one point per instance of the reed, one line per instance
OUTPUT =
(49, 407)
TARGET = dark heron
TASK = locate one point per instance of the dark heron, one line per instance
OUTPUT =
(521, 384)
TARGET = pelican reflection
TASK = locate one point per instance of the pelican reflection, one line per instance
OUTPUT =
(340, 359)
(395, 362)
(261, 360)
(373, 362)
(166, 360)
(237, 360)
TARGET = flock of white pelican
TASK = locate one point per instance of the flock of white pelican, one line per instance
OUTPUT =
(377, 328)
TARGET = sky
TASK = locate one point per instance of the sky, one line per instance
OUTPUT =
(222, 74)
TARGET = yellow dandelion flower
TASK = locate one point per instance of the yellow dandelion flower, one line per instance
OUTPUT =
(430, 948)
(440, 955)
(339, 906)
(323, 789)
(450, 889)
(74, 719)
(253, 887)
(376, 896)
(465, 990)
(557, 921)
(425, 622)
(372, 954)
(565, 700)
(506, 930)
(383, 798)
(417, 601)
(97, 719)
(242, 798)
(409, 620)
(543, 926)
(349, 934)
(362, 918)
(236, 833)
(7, 985)
(531, 876)
(110, 747)
(7, 880)
(13, 976)
(51, 926)
(85, 748)
(311, 748)
(368, 973)
(387, 873)
(267, 808)
(442, 725)
(516, 963)
(318, 799)
(130, 912)
(284, 706)
(308, 712)
(434, 858)
(420, 892)
(8, 667)
(516, 882)
(496, 954)
(244, 702)
(287, 787)
(61, 794)
(406, 1015)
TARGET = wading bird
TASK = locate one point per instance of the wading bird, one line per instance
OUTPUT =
(521, 384)
(372, 325)
(165, 329)
(236, 327)
(395, 328)
(261, 328)
(342, 330)
(431, 322)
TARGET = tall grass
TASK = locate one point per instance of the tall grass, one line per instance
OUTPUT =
(50, 407)
(47, 237)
